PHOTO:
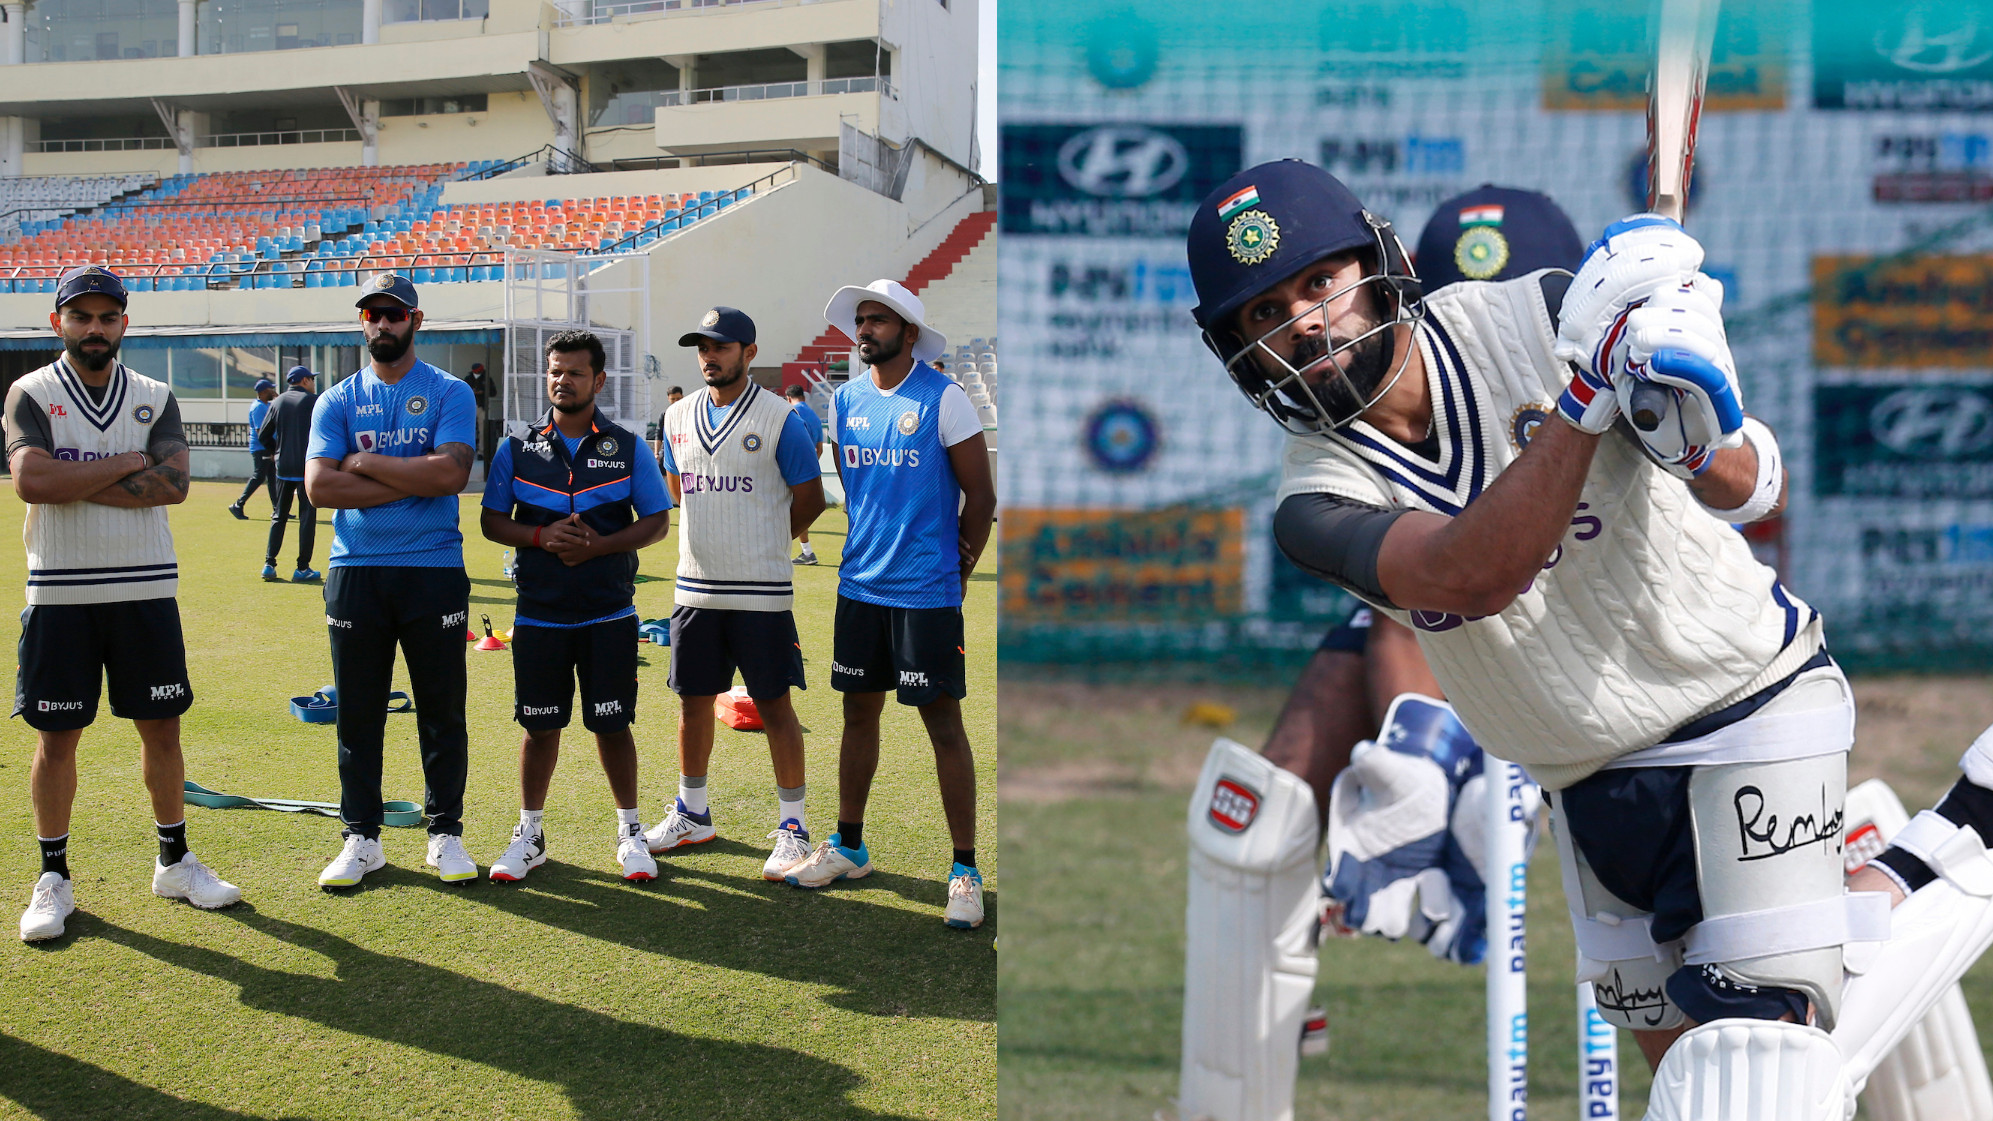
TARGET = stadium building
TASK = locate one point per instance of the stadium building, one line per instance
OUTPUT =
(246, 164)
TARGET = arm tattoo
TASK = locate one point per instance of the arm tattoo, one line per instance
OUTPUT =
(160, 483)
(461, 454)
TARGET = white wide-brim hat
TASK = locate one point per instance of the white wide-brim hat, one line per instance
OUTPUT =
(842, 312)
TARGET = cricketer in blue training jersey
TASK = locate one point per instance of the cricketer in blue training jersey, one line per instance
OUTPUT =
(390, 450)
(799, 400)
(261, 464)
(910, 453)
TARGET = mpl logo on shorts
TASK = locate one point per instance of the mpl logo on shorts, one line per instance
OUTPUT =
(609, 708)
(910, 679)
(459, 619)
(59, 706)
(1233, 805)
(168, 692)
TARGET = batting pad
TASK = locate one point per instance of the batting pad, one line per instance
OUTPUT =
(1937, 1073)
(1249, 956)
(1751, 1070)
(1935, 936)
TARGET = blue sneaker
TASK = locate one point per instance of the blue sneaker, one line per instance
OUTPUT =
(829, 863)
(269, 572)
(965, 898)
(305, 574)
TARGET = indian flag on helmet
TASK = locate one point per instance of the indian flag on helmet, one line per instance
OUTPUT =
(1246, 196)
(1481, 215)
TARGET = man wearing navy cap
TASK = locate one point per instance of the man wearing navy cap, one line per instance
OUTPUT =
(97, 453)
(741, 464)
(1457, 462)
(262, 465)
(390, 451)
(287, 433)
(1487, 234)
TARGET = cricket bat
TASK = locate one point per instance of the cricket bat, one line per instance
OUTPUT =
(1674, 107)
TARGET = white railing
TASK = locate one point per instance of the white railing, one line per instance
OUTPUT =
(582, 13)
(293, 136)
(769, 91)
(102, 144)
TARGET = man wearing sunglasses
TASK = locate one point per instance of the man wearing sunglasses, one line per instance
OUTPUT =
(391, 447)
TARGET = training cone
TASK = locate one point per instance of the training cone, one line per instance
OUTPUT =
(490, 641)
(736, 710)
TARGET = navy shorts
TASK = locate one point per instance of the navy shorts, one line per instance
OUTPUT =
(709, 643)
(68, 649)
(546, 661)
(1352, 635)
(1633, 826)
(917, 650)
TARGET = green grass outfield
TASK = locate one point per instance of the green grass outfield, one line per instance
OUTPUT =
(1095, 785)
(705, 994)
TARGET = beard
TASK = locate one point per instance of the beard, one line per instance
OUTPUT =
(570, 408)
(387, 349)
(92, 360)
(726, 377)
(1363, 367)
(878, 351)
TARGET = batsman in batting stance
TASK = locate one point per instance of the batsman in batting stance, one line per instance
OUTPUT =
(1458, 462)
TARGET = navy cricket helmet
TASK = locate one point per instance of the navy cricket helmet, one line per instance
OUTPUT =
(1260, 228)
(1496, 233)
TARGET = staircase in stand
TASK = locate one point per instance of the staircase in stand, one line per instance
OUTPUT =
(810, 365)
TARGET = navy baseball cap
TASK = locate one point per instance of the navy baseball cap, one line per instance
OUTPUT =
(721, 324)
(392, 285)
(85, 279)
(1496, 233)
(298, 374)
(263, 384)
(1267, 223)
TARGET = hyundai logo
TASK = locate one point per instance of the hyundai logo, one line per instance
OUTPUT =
(1948, 422)
(1125, 161)
(1934, 40)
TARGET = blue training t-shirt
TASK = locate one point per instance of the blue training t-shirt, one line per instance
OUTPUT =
(900, 493)
(809, 416)
(413, 417)
(795, 449)
(257, 412)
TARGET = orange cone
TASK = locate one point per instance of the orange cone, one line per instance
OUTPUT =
(490, 641)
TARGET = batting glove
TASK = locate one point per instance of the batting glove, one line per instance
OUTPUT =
(1635, 258)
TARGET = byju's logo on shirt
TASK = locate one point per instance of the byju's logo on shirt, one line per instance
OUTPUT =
(855, 456)
(697, 484)
(370, 441)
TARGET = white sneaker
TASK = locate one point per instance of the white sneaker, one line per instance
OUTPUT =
(792, 847)
(633, 853)
(520, 857)
(679, 827)
(194, 882)
(52, 902)
(446, 854)
(360, 856)
(965, 899)
(829, 863)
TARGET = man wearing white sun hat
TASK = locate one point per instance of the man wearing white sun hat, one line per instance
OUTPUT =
(910, 454)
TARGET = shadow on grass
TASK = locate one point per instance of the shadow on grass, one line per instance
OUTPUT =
(608, 1068)
(887, 961)
(55, 1087)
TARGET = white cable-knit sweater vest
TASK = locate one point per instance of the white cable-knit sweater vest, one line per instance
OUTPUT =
(733, 548)
(1650, 613)
(81, 552)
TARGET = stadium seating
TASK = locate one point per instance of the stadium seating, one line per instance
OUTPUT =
(45, 197)
(329, 227)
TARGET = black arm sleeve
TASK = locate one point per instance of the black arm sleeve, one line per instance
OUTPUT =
(1337, 539)
(27, 427)
(167, 430)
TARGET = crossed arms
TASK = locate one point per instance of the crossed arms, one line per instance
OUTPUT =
(132, 480)
(366, 479)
